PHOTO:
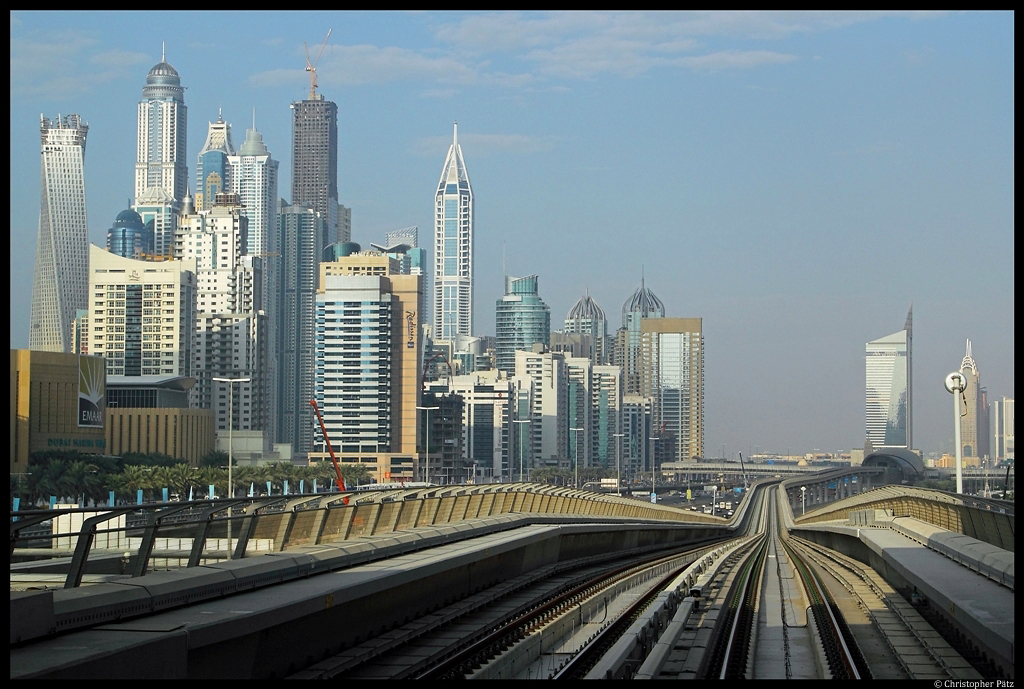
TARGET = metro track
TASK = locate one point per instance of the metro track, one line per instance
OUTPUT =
(766, 608)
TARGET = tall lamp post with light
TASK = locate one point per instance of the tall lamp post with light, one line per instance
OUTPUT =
(803, 500)
(618, 456)
(654, 450)
(576, 474)
(426, 466)
(956, 383)
(231, 423)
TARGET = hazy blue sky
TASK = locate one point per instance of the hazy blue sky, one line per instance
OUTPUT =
(794, 179)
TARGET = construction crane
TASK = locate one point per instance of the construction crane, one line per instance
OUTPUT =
(744, 470)
(311, 67)
(330, 448)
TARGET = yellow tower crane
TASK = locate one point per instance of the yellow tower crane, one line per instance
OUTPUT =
(311, 67)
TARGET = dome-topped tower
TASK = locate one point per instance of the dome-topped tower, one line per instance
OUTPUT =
(163, 82)
(160, 156)
(586, 308)
(644, 302)
(587, 318)
(129, 236)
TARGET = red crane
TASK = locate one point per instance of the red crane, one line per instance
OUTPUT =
(323, 429)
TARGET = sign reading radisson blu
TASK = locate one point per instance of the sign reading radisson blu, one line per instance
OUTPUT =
(92, 391)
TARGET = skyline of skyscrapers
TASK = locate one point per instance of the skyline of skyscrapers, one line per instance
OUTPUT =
(251, 172)
(453, 247)
(61, 277)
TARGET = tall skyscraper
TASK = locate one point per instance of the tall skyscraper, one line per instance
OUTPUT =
(453, 248)
(163, 133)
(642, 304)
(672, 375)
(587, 318)
(315, 160)
(302, 236)
(969, 436)
(542, 390)
(606, 410)
(521, 320)
(212, 171)
(231, 323)
(367, 364)
(1001, 414)
(889, 394)
(61, 279)
(252, 175)
(161, 172)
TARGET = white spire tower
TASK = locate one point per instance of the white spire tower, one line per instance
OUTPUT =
(453, 247)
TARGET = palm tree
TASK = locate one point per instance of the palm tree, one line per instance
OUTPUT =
(118, 484)
(218, 478)
(182, 477)
(354, 474)
(137, 478)
(82, 481)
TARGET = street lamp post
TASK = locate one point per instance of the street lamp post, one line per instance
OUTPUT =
(520, 421)
(426, 467)
(576, 475)
(803, 500)
(955, 383)
(654, 449)
(231, 423)
(618, 470)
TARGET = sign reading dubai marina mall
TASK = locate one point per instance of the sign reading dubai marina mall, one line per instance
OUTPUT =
(92, 391)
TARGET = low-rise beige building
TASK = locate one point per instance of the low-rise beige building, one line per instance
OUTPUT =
(57, 403)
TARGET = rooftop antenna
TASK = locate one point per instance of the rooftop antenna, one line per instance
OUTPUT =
(163, 51)
(254, 119)
(311, 67)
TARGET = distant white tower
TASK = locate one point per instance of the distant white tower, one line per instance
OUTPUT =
(253, 176)
(453, 247)
(889, 398)
(61, 279)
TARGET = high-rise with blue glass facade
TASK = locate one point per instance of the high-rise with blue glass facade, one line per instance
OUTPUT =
(212, 171)
(521, 321)
(129, 236)
(453, 248)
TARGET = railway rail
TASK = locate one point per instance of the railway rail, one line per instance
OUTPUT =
(768, 605)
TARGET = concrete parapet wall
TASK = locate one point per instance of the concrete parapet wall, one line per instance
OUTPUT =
(932, 507)
(236, 625)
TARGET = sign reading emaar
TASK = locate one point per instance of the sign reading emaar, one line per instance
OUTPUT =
(92, 391)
